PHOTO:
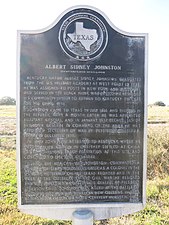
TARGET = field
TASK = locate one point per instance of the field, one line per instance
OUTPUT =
(156, 211)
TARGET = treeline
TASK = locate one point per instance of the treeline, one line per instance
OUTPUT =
(7, 101)
(11, 101)
(159, 103)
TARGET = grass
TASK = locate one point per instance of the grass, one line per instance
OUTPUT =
(156, 211)
(8, 111)
(7, 120)
(8, 142)
(158, 114)
(158, 151)
(8, 177)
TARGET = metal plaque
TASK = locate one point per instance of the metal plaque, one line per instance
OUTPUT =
(81, 117)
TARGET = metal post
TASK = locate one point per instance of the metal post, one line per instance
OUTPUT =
(82, 217)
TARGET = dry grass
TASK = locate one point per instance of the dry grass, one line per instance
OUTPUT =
(7, 120)
(158, 114)
(158, 151)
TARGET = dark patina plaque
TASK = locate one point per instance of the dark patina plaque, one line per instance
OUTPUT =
(82, 115)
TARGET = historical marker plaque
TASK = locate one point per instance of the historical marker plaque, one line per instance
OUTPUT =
(82, 116)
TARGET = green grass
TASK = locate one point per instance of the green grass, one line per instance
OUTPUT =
(8, 177)
(156, 211)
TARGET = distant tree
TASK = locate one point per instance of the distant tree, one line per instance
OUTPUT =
(7, 101)
(159, 103)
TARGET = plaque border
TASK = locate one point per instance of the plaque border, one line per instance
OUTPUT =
(100, 210)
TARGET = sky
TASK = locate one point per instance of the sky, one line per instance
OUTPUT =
(136, 16)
